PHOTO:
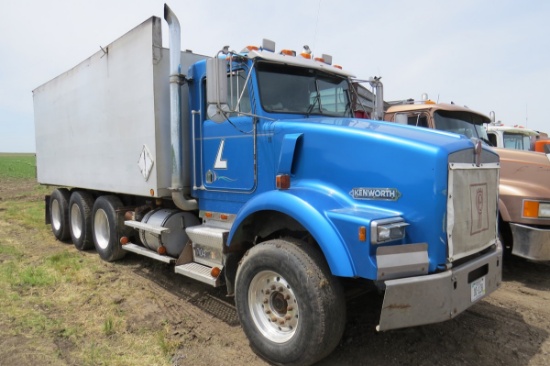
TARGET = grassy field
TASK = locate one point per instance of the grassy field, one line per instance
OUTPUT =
(55, 307)
(17, 165)
(19, 171)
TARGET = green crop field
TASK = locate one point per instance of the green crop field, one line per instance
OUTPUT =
(17, 165)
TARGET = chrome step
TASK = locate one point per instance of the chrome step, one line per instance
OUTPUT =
(146, 227)
(148, 253)
(199, 272)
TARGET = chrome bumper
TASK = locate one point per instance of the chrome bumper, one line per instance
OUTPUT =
(530, 242)
(438, 297)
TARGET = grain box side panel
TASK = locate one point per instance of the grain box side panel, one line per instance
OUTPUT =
(94, 121)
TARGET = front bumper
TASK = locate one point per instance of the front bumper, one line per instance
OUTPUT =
(530, 242)
(438, 297)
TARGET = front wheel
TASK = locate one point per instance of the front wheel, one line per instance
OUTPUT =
(290, 306)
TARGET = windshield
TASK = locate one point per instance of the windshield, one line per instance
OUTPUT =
(289, 89)
(516, 141)
(464, 123)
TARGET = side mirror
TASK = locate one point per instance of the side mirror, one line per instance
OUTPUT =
(216, 89)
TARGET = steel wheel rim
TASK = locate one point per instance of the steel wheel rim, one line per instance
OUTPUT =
(56, 215)
(273, 306)
(76, 221)
(101, 229)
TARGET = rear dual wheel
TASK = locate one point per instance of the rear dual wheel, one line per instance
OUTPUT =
(88, 223)
(59, 213)
(108, 227)
(80, 219)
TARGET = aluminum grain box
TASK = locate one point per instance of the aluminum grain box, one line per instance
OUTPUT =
(105, 124)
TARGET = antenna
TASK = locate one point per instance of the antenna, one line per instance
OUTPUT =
(316, 26)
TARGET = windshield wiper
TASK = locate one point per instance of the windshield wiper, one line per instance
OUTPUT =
(312, 105)
(317, 100)
(486, 141)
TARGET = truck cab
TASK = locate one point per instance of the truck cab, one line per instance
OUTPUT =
(511, 137)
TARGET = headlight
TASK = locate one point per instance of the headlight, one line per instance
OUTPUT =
(387, 230)
(544, 210)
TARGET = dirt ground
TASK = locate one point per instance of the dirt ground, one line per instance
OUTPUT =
(511, 327)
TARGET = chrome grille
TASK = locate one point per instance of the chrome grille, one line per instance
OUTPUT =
(472, 206)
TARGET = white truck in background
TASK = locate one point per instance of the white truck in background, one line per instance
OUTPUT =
(511, 137)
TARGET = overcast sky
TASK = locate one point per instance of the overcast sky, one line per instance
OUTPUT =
(486, 54)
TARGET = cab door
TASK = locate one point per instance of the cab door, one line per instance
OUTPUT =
(229, 147)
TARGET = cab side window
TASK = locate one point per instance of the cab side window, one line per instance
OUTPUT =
(238, 97)
(492, 139)
(418, 120)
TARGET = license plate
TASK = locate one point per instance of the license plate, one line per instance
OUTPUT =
(477, 289)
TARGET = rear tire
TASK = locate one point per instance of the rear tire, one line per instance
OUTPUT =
(107, 228)
(80, 219)
(290, 306)
(59, 214)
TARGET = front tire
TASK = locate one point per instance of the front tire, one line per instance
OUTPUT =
(59, 214)
(290, 306)
(107, 228)
(80, 219)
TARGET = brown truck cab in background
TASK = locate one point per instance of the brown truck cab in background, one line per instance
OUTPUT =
(524, 191)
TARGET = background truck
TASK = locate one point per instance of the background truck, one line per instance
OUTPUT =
(517, 137)
(511, 137)
(250, 171)
(542, 145)
(524, 192)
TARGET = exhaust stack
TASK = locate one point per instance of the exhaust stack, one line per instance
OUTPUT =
(378, 113)
(177, 133)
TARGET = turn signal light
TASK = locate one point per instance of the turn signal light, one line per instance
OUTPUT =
(362, 233)
(282, 181)
(288, 52)
(215, 272)
(530, 209)
(124, 240)
(161, 250)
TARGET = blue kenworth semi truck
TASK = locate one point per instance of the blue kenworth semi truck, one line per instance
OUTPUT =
(249, 170)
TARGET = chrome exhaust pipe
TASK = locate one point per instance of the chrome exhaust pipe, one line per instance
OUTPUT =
(178, 135)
